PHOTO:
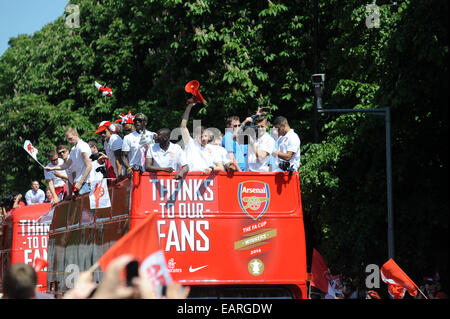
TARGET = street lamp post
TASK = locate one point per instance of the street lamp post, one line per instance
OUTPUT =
(387, 117)
(318, 80)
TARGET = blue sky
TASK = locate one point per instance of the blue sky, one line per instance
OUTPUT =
(26, 17)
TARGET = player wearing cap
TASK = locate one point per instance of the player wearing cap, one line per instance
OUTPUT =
(136, 143)
(113, 145)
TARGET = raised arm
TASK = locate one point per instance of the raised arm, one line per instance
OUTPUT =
(183, 126)
(64, 166)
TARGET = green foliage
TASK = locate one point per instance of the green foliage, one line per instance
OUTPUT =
(248, 54)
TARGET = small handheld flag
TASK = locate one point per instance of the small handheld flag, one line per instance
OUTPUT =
(398, 282)
(32, 151)
(126, 119)
(40, 264)
(322, 279)
(99, 195)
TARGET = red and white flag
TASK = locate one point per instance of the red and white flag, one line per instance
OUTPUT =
(142, 243)
(322, 279)
(398, 282)
(31, 150)
(99, 195)
(40, 264)
(106, 91)
(126, 119)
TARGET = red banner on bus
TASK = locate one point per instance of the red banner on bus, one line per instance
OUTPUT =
(226, 229)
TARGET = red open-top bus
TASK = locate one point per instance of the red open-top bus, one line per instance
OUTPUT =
(25, 240)
(225, 235)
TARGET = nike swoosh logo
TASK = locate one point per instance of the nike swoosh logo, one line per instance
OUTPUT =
(195, 269)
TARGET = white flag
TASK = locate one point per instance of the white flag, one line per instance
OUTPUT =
(154, 268)
(31, 150)
(99, 196)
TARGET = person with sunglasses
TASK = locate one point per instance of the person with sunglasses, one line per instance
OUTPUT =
(56, 185)
(68, 177)
(112, 143)
(236, 151)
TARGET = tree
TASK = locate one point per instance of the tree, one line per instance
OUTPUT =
(251, 54)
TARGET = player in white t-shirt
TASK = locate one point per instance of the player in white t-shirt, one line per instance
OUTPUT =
(200, 155)
(164, 156)
(258, 152)
(79, 162)
(288, 144)
(136, 144)
(113, 145)
(227, 161)
(56, 185)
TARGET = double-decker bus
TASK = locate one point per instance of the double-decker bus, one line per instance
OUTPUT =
(237, 235)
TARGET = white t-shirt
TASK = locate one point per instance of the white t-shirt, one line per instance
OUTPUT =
(34, 198)
(78, 165)
(200, 158)
(290, 143)
(174, 156)
(50, 175)
(264, 143)
(115, 143)
(222, 152)
(132, 144)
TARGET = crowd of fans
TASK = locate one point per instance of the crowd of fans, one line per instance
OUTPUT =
(430, 288)
(20, 282)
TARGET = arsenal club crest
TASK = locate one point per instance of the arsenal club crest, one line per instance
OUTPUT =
(254, 198)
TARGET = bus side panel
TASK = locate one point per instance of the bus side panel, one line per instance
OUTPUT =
(220, 229)
(56, 261)
(219, 250)
(5, 249)
(79, 235)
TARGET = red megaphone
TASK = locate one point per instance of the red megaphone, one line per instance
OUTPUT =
(192, 87)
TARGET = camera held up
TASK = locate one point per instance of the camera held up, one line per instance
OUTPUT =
(286, 167)
(250, 128)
